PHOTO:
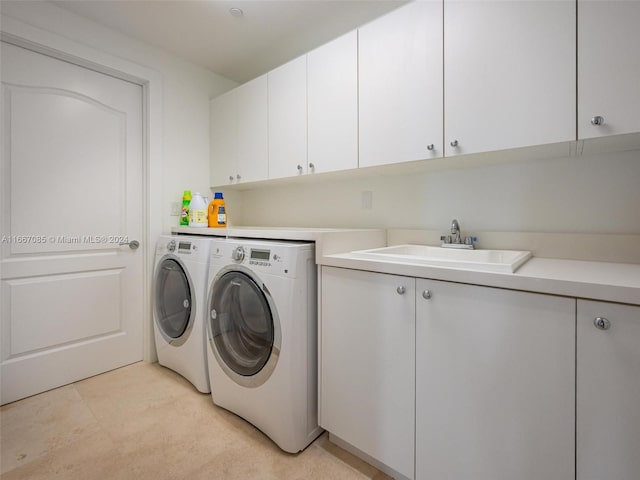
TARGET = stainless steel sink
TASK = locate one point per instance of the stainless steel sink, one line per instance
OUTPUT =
(483, 260)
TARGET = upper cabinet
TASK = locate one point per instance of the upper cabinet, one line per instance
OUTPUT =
(509, 74)
(437, 78)
(239, 134)
(332, 90)
(608, 67)
(223, 137)
(288, 119)
(400, 62)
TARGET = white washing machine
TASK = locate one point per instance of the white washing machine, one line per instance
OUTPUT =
(179, 306)
(262, 331)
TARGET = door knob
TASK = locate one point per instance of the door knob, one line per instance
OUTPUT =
(133, 244)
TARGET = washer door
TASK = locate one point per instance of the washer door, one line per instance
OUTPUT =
(244, 330)
(173, 300)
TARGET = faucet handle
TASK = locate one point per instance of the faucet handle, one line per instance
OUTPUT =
(445, 238)
(470, 240)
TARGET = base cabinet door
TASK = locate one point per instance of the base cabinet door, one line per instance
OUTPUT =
(608, 391)
(495, 384)
(367, 363)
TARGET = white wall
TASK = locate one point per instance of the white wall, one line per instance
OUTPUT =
(187, 90)
(588, 194)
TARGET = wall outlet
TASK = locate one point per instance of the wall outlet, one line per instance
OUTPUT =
(176, 208)
(366, 202)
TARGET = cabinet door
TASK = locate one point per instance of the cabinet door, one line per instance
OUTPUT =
(332, 87)
(367, 363)
(608, 67)
(400, 62)
(510, 74)
(288, 119)
(251, 144)
(495, 380)
(608, 392)
(223, 138)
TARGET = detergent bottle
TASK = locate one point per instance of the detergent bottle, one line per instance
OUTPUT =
(184, 213)
(197, 211)
(217, 212)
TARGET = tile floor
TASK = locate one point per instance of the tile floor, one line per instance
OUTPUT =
(144, 421)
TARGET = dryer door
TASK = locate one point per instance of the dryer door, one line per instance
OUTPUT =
(244, 329)
(173, 299)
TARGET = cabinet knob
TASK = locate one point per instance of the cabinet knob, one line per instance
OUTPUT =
(231, 178)
(300, 168)
(426, 294)
(454, 143)
(238, 176)
(431, 146)
(597, 120)
(401, 290)
(312, 166)
(601, 323)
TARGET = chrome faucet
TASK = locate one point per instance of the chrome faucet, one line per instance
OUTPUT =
(456, 241)
(455, 230)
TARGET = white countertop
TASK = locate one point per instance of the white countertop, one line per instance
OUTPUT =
(613, 282)
(273, 233)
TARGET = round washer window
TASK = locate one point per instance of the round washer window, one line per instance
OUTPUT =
(241, 323)
(173, 299)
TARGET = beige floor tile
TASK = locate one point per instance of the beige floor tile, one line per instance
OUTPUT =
(146, 422)
(131, 391)
(93, 457)
(31, 427)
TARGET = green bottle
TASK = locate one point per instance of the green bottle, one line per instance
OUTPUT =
(184, 213)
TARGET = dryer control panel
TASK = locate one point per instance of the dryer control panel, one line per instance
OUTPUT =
(285, 258)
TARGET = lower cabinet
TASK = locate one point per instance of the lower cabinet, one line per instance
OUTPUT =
(608, 391)
(367, 363)
(495, 378)
(484, 383)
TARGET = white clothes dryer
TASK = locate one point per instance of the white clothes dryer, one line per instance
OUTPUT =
(262, 332)
(179, 306)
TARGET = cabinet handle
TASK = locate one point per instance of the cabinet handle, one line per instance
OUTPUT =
(601, 323)
(426, 294)
(299, 168)
(312, 166)
(401, 290)
(454, 143)
(597, 120)
(431, 146)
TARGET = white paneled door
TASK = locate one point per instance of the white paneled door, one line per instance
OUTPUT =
(72, 188)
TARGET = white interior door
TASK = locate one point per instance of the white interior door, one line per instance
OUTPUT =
(71, 193)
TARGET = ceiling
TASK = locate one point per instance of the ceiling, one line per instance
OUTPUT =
(268, 34)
